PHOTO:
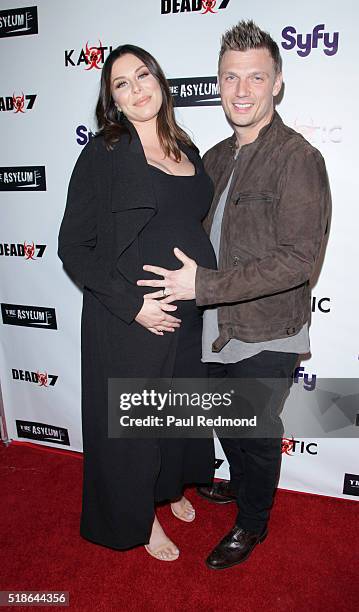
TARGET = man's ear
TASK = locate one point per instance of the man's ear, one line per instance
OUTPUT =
(277, 84)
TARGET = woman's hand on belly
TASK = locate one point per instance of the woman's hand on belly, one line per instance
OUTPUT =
(154, 314)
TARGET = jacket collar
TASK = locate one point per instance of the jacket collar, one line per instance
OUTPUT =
(135, 145)
(264, 131)
(132, 139)
(132, 186)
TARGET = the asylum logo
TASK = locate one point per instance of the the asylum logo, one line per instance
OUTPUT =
(351, 484)
(22, 178)
(18, 21)
(42, 431)
(83, 134)
(26, 250)
(195, 91)
(202, 7)
(290, 447)
(41, 379)
(304, 43)
(17, 103)
(29, 316)
(91, 57)
(309, 381)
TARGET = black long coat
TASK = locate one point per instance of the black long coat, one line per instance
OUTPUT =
(110, 199)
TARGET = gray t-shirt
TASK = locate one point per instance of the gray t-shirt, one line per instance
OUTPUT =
(236, 350)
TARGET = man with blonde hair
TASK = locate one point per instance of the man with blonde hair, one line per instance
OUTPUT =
(267, 223)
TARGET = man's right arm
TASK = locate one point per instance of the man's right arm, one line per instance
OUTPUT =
(303, 213)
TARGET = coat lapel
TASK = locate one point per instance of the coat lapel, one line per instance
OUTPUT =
(131, 181)
(133, 200)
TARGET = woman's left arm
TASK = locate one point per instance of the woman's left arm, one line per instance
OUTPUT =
(78, 238)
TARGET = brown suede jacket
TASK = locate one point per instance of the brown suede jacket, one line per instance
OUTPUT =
(273, 226)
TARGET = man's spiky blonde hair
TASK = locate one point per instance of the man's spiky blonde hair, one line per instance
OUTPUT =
(247, 35)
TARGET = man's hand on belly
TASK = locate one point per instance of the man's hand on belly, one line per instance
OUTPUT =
(176, 284)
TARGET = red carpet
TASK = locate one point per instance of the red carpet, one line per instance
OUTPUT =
(308, 562)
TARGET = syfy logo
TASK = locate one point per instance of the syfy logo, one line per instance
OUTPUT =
(41, 379)
(25, 250)
(83, 135)
(195, 91)
(22, 178)
(91, 57)
(18, 21)
(321, 304)
(29, 316)
(17, 103)
(43, 432)
(306, 42)
(192, 6)
(291, 447)
(309, 383)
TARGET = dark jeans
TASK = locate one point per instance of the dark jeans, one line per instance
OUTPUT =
(255, 463)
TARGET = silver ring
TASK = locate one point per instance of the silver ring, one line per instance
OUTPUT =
(164, 292)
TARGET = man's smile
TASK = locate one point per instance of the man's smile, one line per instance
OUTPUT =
(242, 106)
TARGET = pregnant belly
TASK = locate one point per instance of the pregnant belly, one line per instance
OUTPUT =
(156, 248)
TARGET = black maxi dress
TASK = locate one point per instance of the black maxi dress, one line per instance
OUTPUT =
(124, 478)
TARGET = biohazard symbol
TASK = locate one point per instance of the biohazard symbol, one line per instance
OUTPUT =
(42, 379)
(208, 6)
(287, 446)
(93, 56)
(19, 103)
(29, 251)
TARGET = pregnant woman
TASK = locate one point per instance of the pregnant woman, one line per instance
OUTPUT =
(138, 190)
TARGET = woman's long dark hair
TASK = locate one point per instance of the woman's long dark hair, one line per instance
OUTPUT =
(109, 121)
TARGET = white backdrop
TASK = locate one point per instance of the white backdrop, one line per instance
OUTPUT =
(40, 366)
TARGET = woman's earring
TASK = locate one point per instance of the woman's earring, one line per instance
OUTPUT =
(119, 111)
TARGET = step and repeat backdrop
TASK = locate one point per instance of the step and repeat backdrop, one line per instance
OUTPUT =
(51, 59)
